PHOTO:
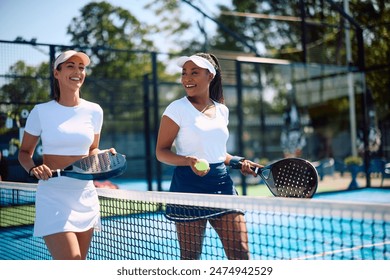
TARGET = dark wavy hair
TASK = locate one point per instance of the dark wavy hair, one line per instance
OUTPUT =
(56, 86)
(215, 91)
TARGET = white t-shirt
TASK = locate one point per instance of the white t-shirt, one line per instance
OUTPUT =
(65, 130)
(200, 135)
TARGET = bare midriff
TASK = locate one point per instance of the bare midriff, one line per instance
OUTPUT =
(60, 162)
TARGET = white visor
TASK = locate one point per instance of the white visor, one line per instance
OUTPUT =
(199, 61)
(68, 54)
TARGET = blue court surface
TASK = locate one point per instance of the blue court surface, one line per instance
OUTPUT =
(370, 195)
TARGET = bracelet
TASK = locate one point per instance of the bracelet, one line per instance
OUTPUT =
(29, 172)
(235, 162)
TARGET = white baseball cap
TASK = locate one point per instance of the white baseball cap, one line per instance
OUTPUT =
(68, 54)
(199, 61)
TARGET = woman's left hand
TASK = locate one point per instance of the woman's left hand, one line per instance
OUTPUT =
(95, 151)
(112, 150)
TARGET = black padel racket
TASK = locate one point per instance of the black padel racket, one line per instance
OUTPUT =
(103, 165)
(289, 177)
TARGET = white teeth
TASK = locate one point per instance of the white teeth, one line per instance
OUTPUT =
(75, 79)
(189, 86)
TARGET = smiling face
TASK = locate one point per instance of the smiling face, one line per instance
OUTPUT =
(71, 74)
(195, 80)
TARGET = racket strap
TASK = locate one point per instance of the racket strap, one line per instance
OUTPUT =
(235, 162)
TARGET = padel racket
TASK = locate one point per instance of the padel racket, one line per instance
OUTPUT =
(103, 165)
(289, 177)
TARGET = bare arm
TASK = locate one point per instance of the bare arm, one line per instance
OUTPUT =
(166, 135)
(26, 151)
(94, 148)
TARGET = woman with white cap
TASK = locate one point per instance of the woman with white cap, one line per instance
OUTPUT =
(198, 124)
(67, 209)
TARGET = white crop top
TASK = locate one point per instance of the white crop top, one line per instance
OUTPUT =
(200, 135)
(65, 130)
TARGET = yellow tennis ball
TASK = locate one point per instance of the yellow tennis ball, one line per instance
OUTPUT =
(202, 165)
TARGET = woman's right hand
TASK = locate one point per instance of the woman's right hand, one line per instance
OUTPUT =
(41, 172)
(191, 162)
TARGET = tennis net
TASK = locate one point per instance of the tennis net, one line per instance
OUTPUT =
(134, 226)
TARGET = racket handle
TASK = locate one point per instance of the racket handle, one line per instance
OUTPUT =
(256, 169)
(56, 173)
(236, 163)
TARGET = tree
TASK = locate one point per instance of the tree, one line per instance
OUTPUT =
(107, 27)
(121, 55)
(374, 18)
(28, 85)
(171, 23)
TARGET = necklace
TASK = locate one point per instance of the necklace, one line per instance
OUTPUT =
(207, 106)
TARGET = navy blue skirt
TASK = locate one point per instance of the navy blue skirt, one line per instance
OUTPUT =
(217, 181)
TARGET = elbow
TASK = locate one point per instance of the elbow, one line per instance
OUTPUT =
(20, 155)
(158, 155)
(161, 154)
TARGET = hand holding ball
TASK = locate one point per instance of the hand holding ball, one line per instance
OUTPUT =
(202, 165)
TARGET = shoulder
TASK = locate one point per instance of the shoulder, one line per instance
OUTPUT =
(177, 110)
(91, 105)
(45, 105)
(178, 105)
(222, 108)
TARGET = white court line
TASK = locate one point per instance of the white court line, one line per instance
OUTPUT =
(342, 250)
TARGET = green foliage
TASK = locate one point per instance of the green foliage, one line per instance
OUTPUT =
(104, 28)
(374, 18)
(28, 85)
(121, 56)
(101, 27)
(274, 27)
(101, 24)
(171, 23)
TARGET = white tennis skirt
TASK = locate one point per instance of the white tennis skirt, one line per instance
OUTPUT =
(65, 204)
